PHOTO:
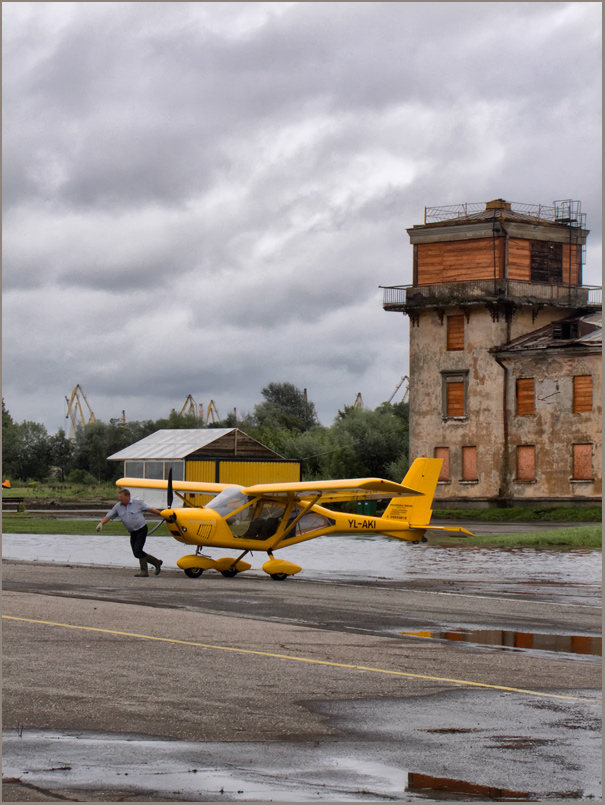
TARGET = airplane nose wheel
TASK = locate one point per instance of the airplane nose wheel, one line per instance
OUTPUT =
(194, 572)
(279, 576)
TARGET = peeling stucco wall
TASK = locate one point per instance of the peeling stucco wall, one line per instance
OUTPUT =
(553, 428)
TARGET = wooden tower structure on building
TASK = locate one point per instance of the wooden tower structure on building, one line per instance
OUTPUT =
(504, 339)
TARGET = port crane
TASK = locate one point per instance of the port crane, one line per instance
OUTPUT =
(192, 408)
(398, 386)
(76, 412)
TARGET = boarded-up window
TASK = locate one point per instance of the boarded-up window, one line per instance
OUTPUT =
(454, 394)
(455, 398)
(444, 453)
(469, 463)
(455, 332)
(582, 462)
(546, 262)
(525, 396)
(526, 462)
(582, 393)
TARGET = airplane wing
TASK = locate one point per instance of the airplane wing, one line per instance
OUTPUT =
(201, 487)
(330, 491)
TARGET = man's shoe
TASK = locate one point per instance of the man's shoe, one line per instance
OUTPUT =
(157, 563)
(144, 571)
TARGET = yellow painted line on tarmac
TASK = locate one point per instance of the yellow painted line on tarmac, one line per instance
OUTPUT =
(302, 659)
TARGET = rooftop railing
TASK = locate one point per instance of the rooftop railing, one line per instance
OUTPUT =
(397, 297)
(567, 211)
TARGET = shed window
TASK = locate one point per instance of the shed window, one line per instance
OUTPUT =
(155, 470)
(525, 396)
(582, 462)
(134, 469)
(546, 261)
(178, 469)
(469, 463)
(582, 393)
(444, 453)
(455, 332)
(526, 462)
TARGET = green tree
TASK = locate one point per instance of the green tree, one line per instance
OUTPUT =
(369, 442)
(26, 452)
(7, 419)
(61, 452)
(285, 406)
(312, 448)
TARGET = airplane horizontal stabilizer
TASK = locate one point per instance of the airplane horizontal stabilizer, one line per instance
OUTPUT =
(458, 529)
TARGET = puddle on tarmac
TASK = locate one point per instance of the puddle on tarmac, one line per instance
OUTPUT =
(442, 788)
(567, 573)
(317, 772)
(517, 641)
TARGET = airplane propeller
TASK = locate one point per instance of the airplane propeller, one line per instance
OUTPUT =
(169, 495)
(169, 498)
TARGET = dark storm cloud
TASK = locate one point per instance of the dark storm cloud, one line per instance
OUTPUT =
(219, 188)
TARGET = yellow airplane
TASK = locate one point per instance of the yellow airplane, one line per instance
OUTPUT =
(268, 517)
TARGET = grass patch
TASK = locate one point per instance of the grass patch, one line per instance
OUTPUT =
(24, 523)
(558, 514)
(73, 493)
(588, 536)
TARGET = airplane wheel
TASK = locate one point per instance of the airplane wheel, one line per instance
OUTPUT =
(279, 576)
(194, 572)
(229, 573)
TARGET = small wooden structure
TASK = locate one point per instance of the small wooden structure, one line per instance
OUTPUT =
(216, 455)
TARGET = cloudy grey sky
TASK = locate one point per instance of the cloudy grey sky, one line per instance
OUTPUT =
(201, 198)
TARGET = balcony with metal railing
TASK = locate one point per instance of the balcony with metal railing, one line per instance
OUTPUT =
(403, 298)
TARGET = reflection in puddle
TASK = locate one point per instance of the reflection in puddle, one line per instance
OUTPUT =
(442, 788)
(518, 641)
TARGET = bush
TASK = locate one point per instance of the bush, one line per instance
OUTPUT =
(82, 477)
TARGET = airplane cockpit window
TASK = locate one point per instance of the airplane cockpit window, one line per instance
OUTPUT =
(228, 501)
(260, 519)
(309, 522)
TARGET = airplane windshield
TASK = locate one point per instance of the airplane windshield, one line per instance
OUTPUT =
(228, 501)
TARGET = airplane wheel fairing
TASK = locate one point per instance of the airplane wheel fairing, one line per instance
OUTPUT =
(194, 572)
(278, 569)
(229, 573)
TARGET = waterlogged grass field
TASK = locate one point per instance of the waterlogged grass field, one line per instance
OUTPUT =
(583, 536)
(25, 523)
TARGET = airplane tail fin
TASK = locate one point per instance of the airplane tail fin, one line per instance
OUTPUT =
(416, 509)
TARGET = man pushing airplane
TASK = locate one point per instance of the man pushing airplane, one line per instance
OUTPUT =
(130, 512)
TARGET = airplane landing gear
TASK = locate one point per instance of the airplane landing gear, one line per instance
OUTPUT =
(278, 569)
(194, 572)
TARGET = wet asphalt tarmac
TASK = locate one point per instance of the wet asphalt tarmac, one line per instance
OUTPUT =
(246, 689)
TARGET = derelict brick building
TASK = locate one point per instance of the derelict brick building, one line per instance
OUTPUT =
(505, 353)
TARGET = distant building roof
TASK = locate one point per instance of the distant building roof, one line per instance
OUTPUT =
(574, 331)
(175, 444)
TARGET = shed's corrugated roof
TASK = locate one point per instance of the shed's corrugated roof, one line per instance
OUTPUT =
(170, 444)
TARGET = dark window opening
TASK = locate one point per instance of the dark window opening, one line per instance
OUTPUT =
(546, 261)
(565, 330)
